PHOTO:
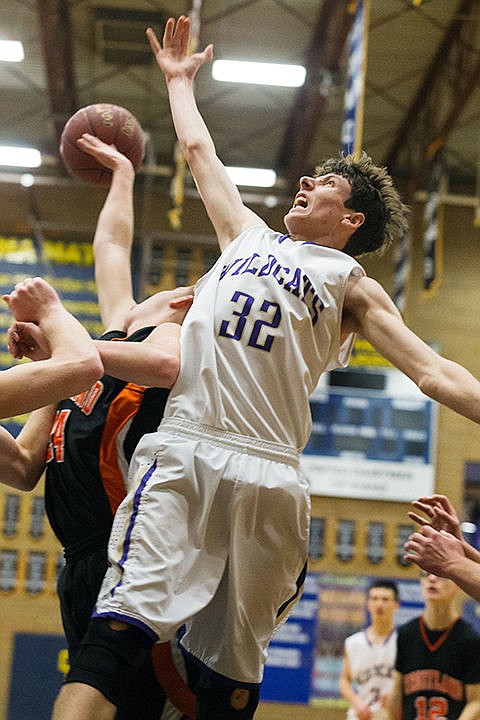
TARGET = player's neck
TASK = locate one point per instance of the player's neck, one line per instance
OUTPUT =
(439, 617)
(377, 632)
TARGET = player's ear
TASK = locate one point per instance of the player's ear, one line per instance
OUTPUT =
(354, 219)
(182, 303)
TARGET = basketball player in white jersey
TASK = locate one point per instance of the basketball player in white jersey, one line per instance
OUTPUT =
(215, 530)
(366, 680)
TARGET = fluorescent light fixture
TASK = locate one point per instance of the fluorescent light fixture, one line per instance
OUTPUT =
(258, 73)
(11, 51)
(254, 177)
(20, 156)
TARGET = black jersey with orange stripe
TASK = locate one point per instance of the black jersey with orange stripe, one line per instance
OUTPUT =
(92, 440)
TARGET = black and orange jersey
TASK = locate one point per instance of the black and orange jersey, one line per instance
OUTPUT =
(92, 440)
(436, 667)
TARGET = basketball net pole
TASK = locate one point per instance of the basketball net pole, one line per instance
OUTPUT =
(178, 180)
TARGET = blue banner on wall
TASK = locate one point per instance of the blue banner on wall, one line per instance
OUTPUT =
(37, 675)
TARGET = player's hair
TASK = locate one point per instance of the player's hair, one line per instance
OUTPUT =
(386, 584)
(374, 194)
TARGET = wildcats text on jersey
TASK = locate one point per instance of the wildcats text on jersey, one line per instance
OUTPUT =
(293, 280)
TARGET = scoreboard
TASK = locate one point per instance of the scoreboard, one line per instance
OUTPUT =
(373, 436)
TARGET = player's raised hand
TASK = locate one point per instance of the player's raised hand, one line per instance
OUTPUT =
(27, 340)
(107, 155)
(440, 514)
(173, 56)
(32, 299)
(434, 551)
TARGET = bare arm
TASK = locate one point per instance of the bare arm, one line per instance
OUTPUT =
(113, 238)
(74, 364)
(220, 196)
(22, 460)
(471, 711)
(370, 312)
(442, 554)
(347, 692)
(395, 706)
(154, 362)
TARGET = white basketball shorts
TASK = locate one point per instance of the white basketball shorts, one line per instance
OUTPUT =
(214, 535)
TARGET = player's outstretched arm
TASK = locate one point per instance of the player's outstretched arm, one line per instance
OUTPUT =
(439, 513)
(220, 196)
(22, 460)
(442, 554)
(155, 362)
(369, 311)
(74, 364)
(113, 238)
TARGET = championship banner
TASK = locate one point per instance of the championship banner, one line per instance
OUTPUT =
(401, 271)
(432, 232)
(352, 127)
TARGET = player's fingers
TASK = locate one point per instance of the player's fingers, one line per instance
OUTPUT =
(424, 507)
(417, 518)
(208, 52)
(153, 40)
(168, 33)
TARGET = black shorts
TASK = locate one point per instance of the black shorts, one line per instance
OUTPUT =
(78, 586)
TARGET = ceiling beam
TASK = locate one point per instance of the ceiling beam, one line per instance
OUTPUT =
(56, 36)
(323, 58)
(422, 123)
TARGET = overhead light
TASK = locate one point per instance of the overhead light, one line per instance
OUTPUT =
(11, 51)
(27, 180)
(20, 156)
(258, 73)
(254, 177)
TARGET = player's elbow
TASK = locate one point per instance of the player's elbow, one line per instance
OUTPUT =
(439, 381)
(196, 149)
(168, 371)
(21, 476)
(429, 385)
(88, 370)
(158, 368)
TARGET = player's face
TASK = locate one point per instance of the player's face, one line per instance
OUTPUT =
(318, 210)
(381, 603)
(436, 588)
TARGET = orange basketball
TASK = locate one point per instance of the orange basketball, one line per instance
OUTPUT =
(112, 124)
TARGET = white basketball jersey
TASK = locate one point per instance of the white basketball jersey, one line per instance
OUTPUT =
(265, 323)
(371, 669)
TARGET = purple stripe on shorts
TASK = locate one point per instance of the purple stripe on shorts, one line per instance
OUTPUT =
(133, 517)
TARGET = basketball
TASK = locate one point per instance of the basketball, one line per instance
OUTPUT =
(112, 124)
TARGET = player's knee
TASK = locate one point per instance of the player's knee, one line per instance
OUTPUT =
(223, 699)
(109, 655)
